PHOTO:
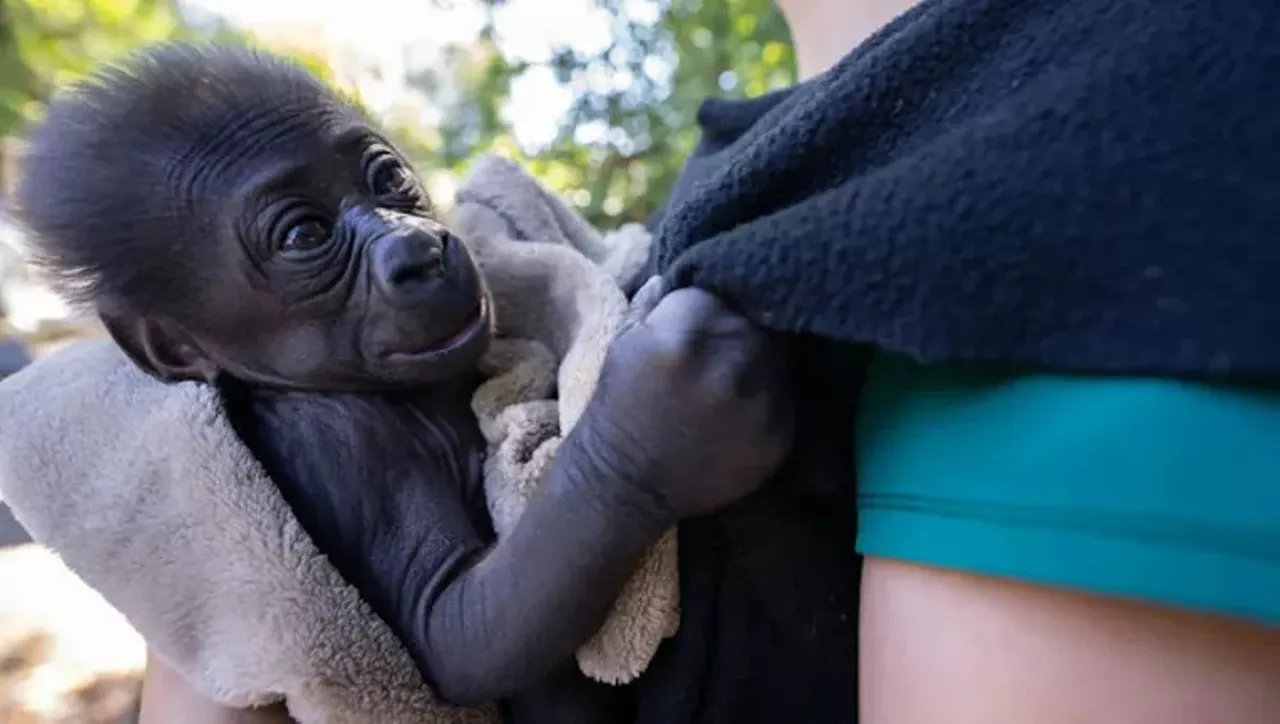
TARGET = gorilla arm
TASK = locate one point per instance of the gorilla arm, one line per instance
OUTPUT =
(501, 625)
(480, 622)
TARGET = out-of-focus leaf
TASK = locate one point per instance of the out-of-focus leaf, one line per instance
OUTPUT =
(631, 123)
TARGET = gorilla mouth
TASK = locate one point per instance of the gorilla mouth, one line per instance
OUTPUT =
(475, 326)
(474, 323)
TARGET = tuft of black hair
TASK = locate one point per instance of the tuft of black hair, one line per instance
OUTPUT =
(95, 190)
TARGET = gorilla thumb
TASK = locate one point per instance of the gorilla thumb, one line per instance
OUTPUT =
(644, 302)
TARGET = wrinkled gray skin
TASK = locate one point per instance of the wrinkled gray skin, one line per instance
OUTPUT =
(236, 224)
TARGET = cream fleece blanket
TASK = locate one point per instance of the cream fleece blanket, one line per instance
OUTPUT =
(148, 495)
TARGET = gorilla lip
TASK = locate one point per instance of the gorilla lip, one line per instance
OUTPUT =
(476, 324)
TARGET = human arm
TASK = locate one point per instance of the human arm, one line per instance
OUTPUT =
(993, 650)
(167, 698)
(1067, 548)
(503, 623)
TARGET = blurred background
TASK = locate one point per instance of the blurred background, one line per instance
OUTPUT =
(597, 98)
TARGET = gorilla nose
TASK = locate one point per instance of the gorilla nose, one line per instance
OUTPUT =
(406, 264)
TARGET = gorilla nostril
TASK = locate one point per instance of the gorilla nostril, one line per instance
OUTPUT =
(408, 265)
(427, 264)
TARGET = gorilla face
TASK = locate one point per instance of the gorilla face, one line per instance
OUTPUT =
(335, 274)
(227, 213)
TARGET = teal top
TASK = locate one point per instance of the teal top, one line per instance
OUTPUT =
(1151, 489)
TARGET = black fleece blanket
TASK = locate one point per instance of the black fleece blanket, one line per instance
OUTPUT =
(1061, 185)
(1075, 185)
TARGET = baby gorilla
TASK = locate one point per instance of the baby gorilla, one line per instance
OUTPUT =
(234, 223)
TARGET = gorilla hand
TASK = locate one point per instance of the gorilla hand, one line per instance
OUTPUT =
(692, 407)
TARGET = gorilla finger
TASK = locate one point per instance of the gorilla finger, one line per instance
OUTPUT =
(729, 325)
(686, 310)
(645, 299)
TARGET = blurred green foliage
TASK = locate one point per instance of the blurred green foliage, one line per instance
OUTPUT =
(47, 43)
(615, 153)
(44, 43)
(633, 119)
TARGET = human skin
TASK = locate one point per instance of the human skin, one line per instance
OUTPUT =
(948, 646)
(167, 697)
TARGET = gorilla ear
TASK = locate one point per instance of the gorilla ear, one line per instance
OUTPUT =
(160, 349)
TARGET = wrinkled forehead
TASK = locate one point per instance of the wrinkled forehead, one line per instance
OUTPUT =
(242, 138)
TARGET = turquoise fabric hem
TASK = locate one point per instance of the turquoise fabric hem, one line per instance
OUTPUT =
(1161, 490)
(1152, 571)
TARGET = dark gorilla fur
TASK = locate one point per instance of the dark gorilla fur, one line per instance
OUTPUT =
(233, 222)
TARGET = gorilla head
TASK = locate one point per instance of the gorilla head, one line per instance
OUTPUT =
(225, 213)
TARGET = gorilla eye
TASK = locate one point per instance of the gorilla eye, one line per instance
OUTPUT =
(305, 236)
(393, 179)
(390, 180)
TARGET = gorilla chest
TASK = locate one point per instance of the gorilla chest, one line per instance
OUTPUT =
(423, 446)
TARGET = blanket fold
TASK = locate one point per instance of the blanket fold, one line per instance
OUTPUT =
(1070, 185)
(147, 494)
